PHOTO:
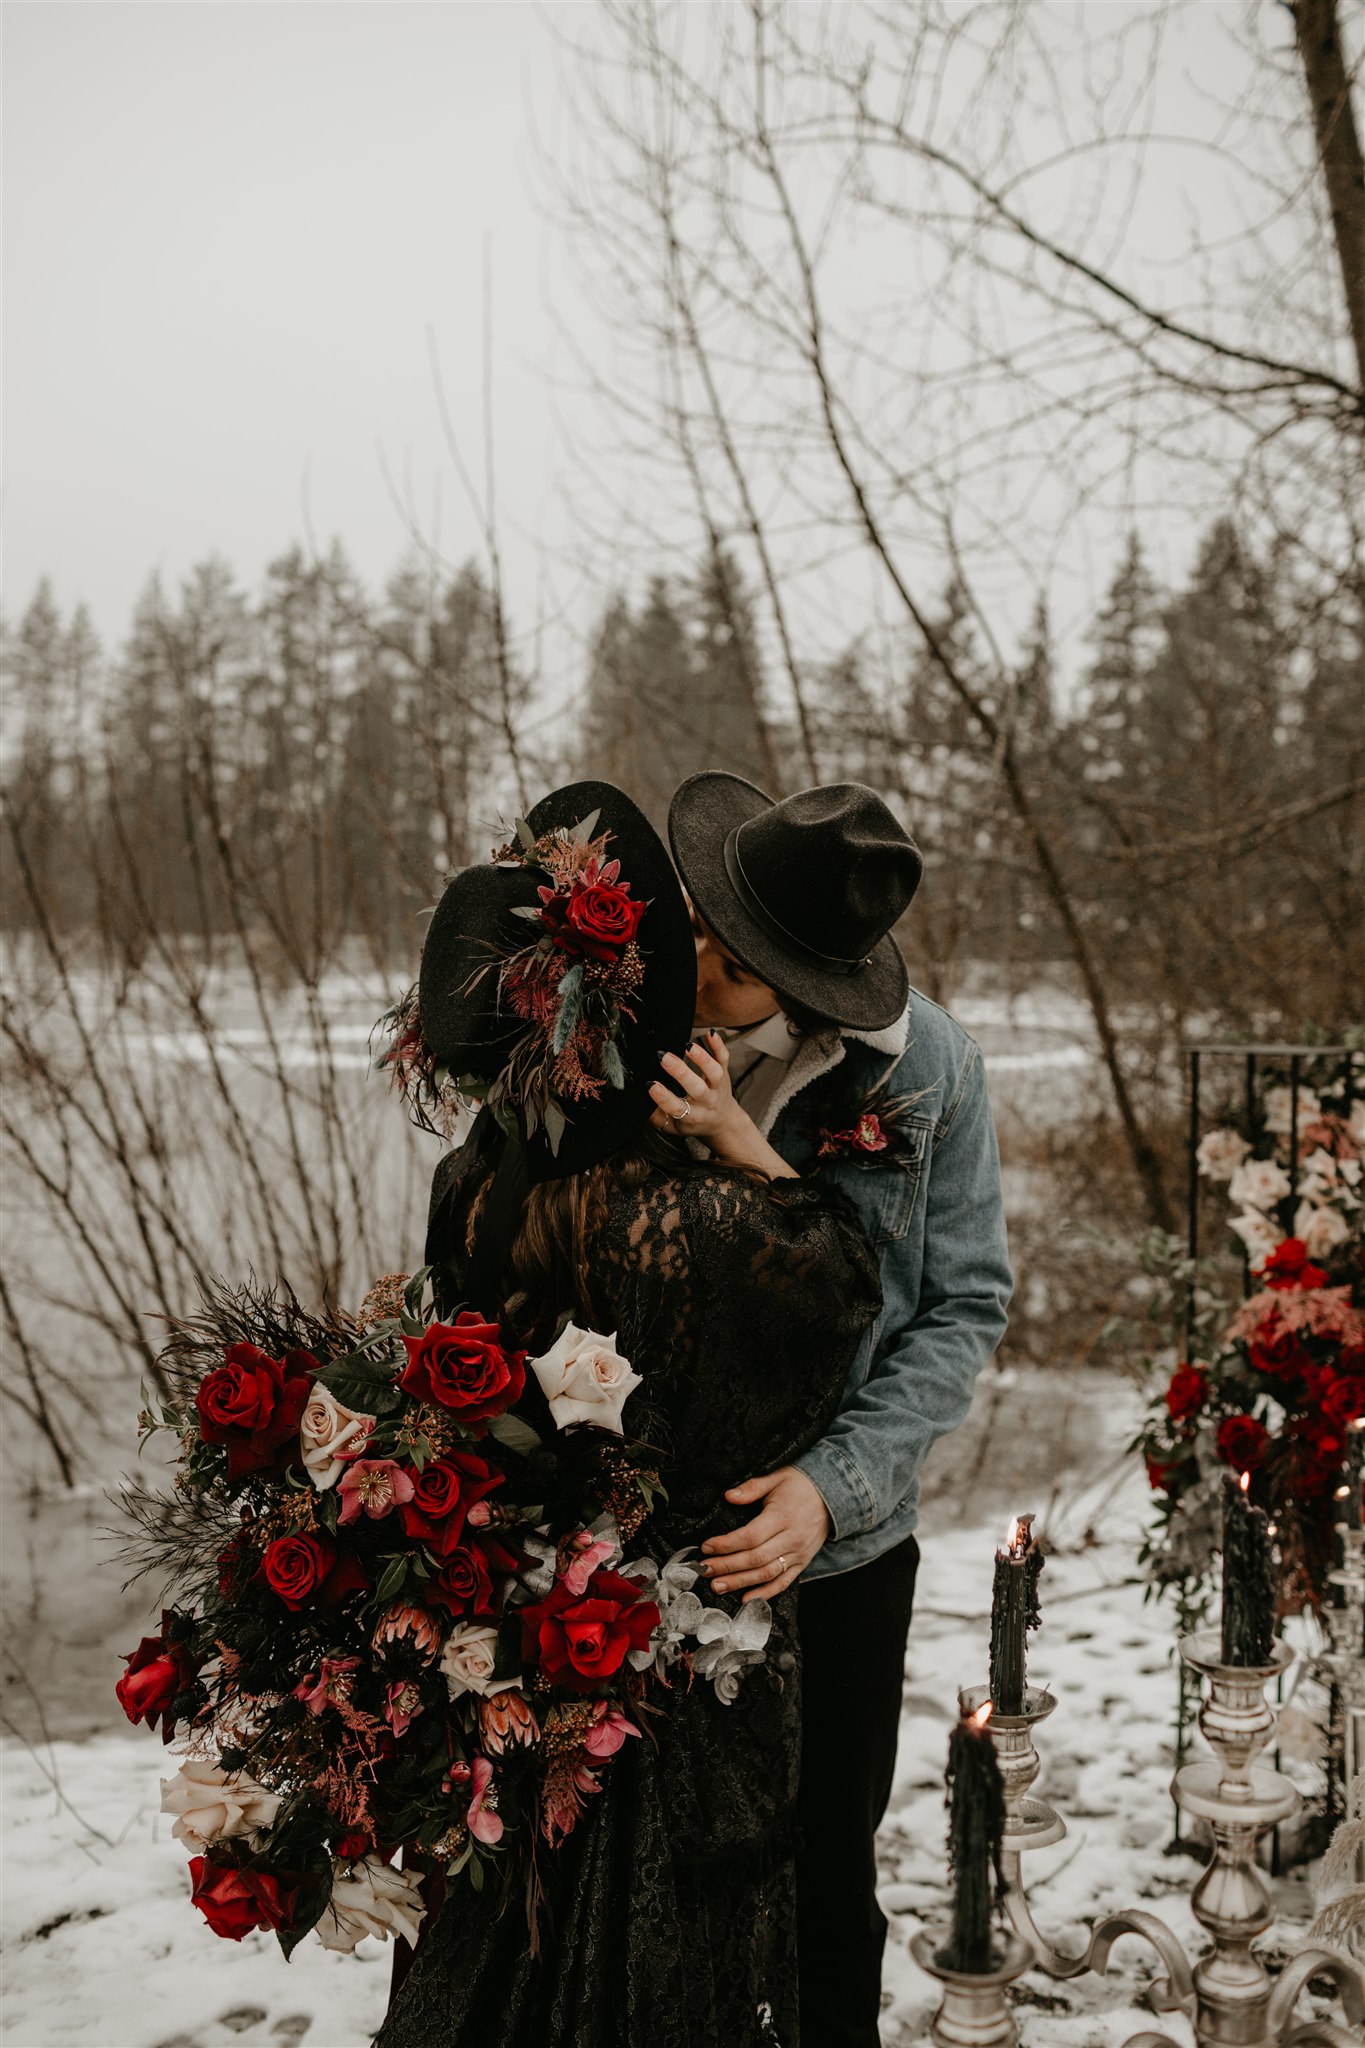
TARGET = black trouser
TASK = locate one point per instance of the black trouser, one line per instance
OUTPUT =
(853, 1633)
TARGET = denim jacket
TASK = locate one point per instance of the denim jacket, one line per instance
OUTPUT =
(931, 1204)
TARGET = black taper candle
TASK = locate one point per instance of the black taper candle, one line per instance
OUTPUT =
(1014, 1611)
(1248, 1578)
(976, 1822)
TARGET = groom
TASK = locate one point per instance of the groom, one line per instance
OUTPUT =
(838, 1062)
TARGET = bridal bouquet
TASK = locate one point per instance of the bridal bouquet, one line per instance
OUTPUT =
(414, 1606)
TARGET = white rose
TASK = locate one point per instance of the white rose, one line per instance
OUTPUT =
(1320, 1229)
(1277, 1110)
(1258, 1235)
(468, 1658)
(325, 1429)
(1258, 1184)
(1357, 1122)
(585, 1379)
(210, 1804)
(370, 1898)
(1221, 1153)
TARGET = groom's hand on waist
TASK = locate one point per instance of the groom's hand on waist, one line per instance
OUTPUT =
(769, 1553)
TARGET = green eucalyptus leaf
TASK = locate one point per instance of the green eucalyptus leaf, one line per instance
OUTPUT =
(514, 1434)
(585, 827)
(391, 1578)
(526, 835)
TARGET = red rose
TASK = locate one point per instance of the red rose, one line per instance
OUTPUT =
(1279, 1353)
(580, 1642)
(234, 1901)
(253, 1404)
(158, 1670)
(465, 1581)
(1289, 1266)
(1343, 1401)
(604, 916)
(442, 1495)
(1321, 1454)
(1159, 1475)
(1242, 1442)
(463, 1365)
(1187, 1392)
(299, 1568)
(353, 1846)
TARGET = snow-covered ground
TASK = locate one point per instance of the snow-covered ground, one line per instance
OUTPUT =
(105, 1950)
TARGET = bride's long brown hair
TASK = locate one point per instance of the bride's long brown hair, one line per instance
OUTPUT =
(550, 1264)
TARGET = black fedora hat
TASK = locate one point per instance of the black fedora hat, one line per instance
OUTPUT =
(804, 892)
(489, 912)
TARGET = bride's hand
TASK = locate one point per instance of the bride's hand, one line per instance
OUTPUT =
(699, 1101)
(701, 1104)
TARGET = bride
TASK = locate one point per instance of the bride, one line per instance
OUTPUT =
(739, 1293)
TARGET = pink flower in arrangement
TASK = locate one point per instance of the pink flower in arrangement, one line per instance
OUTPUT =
(402, 1703)
(608, 1733)
(484, 1825)
(330, 1686)
(375, 1485)
(591, 1553)
(562, 1798)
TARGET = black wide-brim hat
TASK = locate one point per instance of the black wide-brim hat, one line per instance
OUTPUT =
(804, 892)
(474, 928)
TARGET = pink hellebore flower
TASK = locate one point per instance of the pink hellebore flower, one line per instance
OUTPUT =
(378, 1485)
(401, 1703)
(609, 1731)
(484, 1826)
(331, 1685)
(590, 1554)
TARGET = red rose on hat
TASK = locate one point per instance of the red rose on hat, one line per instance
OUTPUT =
(597, 919)
(462, 1365)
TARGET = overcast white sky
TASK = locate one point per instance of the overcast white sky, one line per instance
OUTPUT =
(229, 227)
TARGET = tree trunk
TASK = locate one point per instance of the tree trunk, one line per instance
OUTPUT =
(1318, 32)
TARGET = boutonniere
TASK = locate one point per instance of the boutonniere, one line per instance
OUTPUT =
(878, 1136)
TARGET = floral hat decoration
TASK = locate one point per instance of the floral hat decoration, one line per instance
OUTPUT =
(552, 977)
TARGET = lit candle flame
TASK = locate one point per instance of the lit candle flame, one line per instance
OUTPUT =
(982, 1715)
(1343, 1493)
(1012, 1539)
(1245, 1482)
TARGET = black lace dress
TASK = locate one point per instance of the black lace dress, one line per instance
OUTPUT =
(672, 1913)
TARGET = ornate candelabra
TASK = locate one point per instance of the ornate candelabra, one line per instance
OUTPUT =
(1226, 1993)
(1344, 1662)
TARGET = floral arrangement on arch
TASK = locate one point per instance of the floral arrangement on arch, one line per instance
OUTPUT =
(574, 982)
(415, 1605)
(1281, 1393)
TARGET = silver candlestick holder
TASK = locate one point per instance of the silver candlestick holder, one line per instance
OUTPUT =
(1227, 1993)
(976, 2011)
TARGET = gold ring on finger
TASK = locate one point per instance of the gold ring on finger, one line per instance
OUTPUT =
(685, 1111)
(781, 1567)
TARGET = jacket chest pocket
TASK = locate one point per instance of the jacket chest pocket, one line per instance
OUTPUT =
(884, 1193)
